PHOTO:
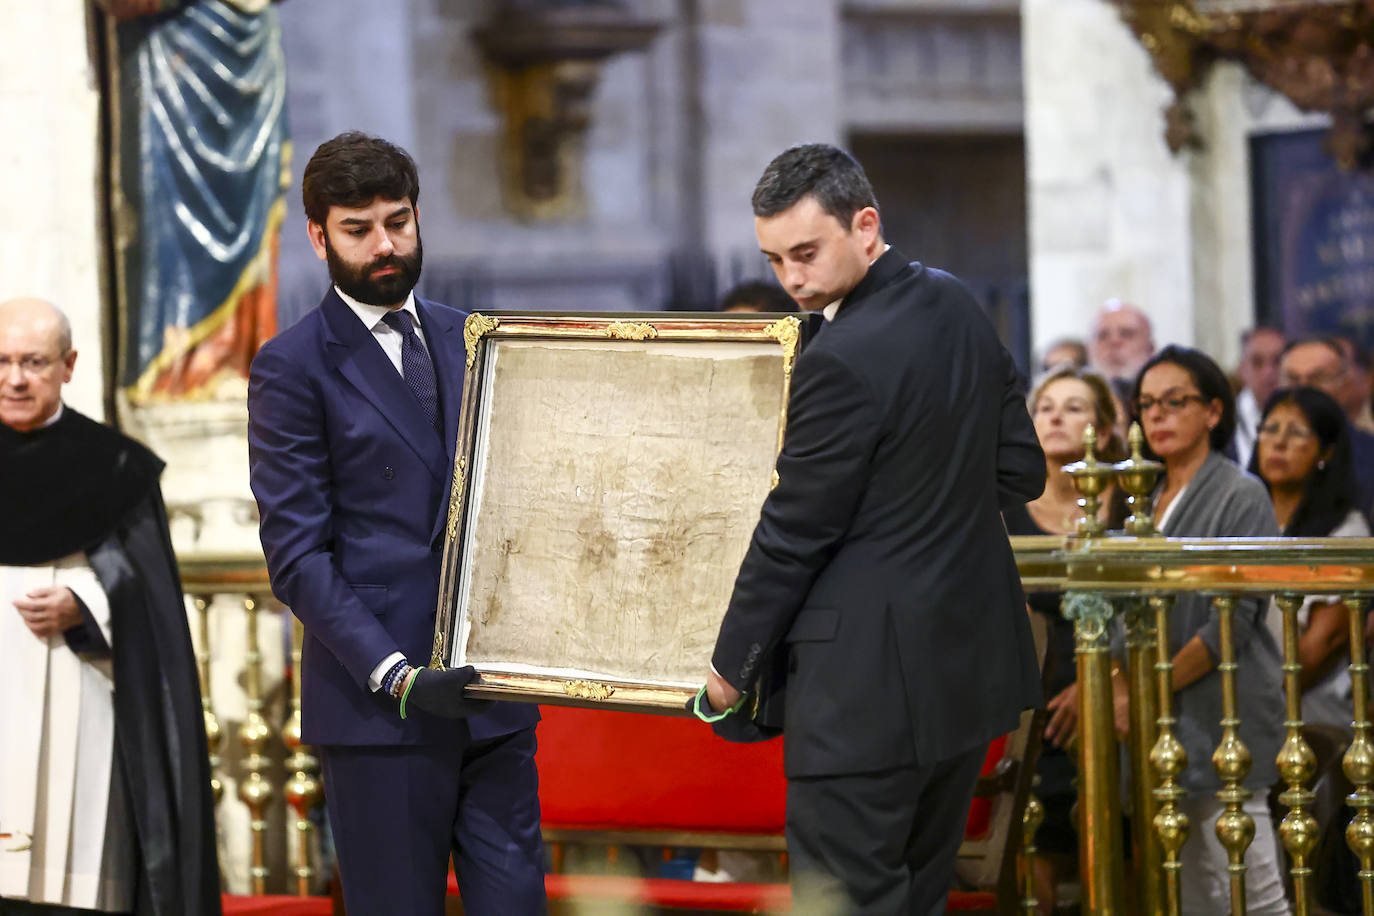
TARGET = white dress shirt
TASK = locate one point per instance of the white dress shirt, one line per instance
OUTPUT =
(390, 338)
(391, 341)
(1248, 412)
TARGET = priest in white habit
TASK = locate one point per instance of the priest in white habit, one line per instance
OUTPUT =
(105, 801)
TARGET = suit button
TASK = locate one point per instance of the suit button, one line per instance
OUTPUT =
(388, 473)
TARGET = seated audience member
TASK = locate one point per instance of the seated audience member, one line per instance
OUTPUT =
(1355, 398)
(1319, 362)
(757, 296)
(1185, 405)
(1062, 405)
(1066, 352)
(1261, 350)
(1120, 342)
(1303, 458)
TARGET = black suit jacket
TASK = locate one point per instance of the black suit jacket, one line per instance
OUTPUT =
(880, 559)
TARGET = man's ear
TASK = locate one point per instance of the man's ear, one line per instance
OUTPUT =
(316, 233)
(69, 363)
(868, 224)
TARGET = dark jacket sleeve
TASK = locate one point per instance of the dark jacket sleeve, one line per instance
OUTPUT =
(832, 429)
(86, 637)
(289, 471)
(1020, 461)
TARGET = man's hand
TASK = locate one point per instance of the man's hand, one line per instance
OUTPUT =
(49, 611)
(440, 693)
(1063, 716)
(719, 691)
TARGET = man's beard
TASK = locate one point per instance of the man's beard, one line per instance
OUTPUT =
(360, 284)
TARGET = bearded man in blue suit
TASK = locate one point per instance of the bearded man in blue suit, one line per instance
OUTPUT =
(353, 419)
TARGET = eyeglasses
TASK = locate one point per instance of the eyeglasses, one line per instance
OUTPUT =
(1275, 431)
(1170, 403)
(29, 365)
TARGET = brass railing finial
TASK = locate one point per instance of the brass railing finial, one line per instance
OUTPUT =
(1090, 477)
(1137, 475)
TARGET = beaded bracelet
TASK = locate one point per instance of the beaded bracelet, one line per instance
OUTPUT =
(395, 678)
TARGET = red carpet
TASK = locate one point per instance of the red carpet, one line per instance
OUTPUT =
(276, 906)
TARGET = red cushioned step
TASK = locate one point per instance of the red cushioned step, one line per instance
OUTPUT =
(980, 812)
(971, 902)
(671, 893)
(275, 905)
(601, 770)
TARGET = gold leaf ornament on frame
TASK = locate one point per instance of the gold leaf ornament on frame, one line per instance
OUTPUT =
(474, 329)
(787, 332)
(631, 330)
(455, 496)
(588, 690)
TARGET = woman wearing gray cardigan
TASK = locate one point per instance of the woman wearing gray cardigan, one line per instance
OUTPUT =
(1188, 414)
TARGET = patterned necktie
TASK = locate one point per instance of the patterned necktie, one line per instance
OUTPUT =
(416, 367)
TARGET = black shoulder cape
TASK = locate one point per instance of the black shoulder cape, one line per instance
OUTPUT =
(66, 486)
(80, 486)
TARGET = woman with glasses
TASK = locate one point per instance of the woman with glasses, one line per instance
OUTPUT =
(1303, 457)
(1187, 410)
(1062, 406)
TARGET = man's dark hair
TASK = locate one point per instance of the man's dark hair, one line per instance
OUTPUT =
(1329, 493)
(758, 296)
(829, 174)
(1259, 329)
(1326, 340)
(354, 169)
(1210, 381)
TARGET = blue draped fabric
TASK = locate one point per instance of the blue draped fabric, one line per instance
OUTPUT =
(208, 84)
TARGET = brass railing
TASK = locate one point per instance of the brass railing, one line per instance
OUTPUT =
(240, 580)
(1131, 581)
(1127, 580)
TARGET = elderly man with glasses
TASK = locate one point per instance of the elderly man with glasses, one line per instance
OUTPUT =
(105, 799)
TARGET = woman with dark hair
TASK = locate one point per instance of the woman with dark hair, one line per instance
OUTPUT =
(1187, 410)
(1303, 456)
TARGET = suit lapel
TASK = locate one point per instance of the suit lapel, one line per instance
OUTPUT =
(443, 334)
(359, 358)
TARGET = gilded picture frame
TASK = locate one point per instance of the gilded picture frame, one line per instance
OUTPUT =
(608, 475)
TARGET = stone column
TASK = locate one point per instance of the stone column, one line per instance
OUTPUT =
(1109, 204)
(50, 178)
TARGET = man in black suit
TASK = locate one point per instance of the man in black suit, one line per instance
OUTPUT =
(880, 560)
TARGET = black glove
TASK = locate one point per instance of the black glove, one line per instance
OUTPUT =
(440, 693)
(737, 726)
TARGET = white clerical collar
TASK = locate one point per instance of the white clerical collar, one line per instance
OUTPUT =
(56, 415)
(830, 310)
(371, 315)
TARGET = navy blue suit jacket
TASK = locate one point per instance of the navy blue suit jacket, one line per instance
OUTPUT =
(352, 484)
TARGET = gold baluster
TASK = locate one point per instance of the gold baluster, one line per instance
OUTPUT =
(1297, 765)
(1235, 827)
(1031, 819)
(1359, 758)
(1141, 654)
(1137, 475)
(214, 735)
(254, 789)
(303, 788)
(1099, 809)
(1169, 760)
